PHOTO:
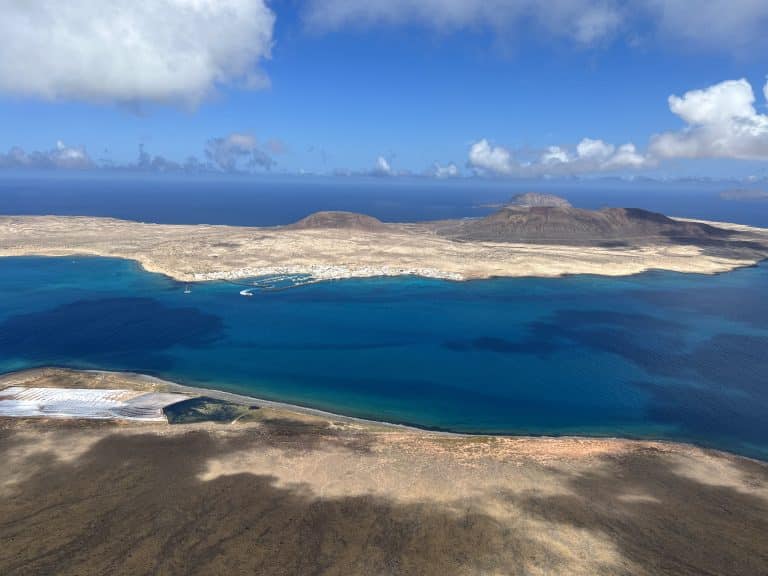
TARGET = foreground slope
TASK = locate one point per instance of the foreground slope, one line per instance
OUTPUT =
(285, 492)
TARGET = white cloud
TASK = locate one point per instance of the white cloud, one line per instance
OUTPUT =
(555, 155)
(581, 20)
(448, 171)
(62, 156)
(228, 153)
(492, 159)
(596, 150)
(382, 168)
(232, 153)
(132, 50)
(68, 157)
(719, 25)
(721, 122)
(595, 22)
(626, 156)
(588, 156)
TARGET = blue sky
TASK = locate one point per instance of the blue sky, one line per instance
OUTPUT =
(479, 88)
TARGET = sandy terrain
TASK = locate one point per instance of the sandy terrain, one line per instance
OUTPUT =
(294, 493)
(194, 253)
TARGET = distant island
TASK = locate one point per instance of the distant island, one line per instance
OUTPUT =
(530, 199)
(533, 235)
(744, 194)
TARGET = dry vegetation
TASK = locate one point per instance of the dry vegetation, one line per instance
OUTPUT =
(301, 494)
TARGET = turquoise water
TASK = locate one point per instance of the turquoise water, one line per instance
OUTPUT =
(658, 355)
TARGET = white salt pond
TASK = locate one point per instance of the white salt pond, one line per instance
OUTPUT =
(98, 404)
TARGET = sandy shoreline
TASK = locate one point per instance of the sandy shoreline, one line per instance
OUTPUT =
(195, 253)
(21, 377)
(149, 382)
(244, 399)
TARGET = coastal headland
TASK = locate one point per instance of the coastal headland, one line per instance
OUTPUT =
(533, 236)
(274, 490)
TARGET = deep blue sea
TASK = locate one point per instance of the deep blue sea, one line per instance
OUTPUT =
(658, 355)
(267, 201)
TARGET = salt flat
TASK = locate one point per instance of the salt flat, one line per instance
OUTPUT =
(97, 404)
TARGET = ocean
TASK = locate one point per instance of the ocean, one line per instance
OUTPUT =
(656, 355)
(268, 201)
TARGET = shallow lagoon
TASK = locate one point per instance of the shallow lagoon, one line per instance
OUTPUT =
(658, 355)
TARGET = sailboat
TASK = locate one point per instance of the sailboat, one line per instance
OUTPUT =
(187, 289)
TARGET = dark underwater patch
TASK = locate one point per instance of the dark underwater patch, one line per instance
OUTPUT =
(744, 304)
(503, 345)
(706, 411)
(122, 331)
(647, 341)
(734, 361)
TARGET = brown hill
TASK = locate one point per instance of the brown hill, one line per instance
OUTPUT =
(338, 219)
(574, 225)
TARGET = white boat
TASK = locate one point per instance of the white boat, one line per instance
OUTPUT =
(187, 290)
(246, 292)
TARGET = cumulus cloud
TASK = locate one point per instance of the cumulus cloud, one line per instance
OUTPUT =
(720, 122)
(382, 167)
(596, 150)
(555, 155)
(235, 151)
(492, 159)
(61, 156)
(581, 20)
(449, 170)
(588, 156)
(132, 51)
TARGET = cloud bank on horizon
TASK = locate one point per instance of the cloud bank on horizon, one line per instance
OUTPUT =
(721, 121)
(61, 156)
(231, 154)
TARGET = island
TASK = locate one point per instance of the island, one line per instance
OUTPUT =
(534, 235)
(118, 473)
(229, 481)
